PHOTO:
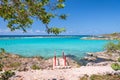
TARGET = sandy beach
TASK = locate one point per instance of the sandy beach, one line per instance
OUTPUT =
(62, 74)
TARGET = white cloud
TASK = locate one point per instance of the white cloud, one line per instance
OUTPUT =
(68, 32)
(43, 32)
(19, 31)
(38, 31)
(30, 31)
(4, 30)
(0, 30)
(9, 31)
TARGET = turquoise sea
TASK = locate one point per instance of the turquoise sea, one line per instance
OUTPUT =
(46, 46)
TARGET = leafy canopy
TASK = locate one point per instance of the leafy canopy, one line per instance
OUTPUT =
(20, 13)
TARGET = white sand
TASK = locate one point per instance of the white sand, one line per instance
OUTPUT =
(63, 74)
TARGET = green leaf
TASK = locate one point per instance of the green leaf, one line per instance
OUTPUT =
(63, 16)
(55, 30)
(61, 1)
(60, 5)
(20, 14)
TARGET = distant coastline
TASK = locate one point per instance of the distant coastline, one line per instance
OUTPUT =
(112, 36)
(42, 35)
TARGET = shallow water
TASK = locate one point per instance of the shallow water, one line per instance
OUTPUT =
(47, 46)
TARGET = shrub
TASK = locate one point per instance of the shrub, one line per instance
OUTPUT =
(101, 77)
(105, 77)
(119, 59)
(1, 66)
(118, 45)
(15, 64)
(112, 47)
(85, 77)
(115, 66)
(6, 75)
(114, 34)
(2, 50)
(34, 67)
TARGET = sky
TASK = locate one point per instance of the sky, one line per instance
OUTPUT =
(85, 17)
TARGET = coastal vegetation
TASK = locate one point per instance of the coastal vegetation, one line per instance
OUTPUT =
(113, 47)
(112, 36)
(119, 59)
(111, 53)
(115, 66)
(115, 35)
(19, 63)
(1, 66)
(6, 75)
(10, 63)
(16, 62)
(2, 50)
(20, 14)
(101, 77)
(35, 67)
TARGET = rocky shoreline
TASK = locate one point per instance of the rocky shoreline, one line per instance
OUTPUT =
(100, 38)
(105, 55)
(101, 58)
(16, 62)
(112, 36)
(23, 65)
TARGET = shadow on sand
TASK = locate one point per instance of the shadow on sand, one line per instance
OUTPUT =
(98, 60)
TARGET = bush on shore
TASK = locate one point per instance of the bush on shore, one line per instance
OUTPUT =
(35, 67)
(119, 59)
(6, 75)
(15, 64)
(115, 66)
(1, 66)
(2, 50)
(101, 77)
(112, 47)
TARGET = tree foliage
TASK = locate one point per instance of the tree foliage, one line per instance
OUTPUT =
(20, 14)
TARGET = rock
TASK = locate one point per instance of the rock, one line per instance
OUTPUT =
(17, 77)
(90, 64)
(90, 58)
(90, 54)
(108, 56)
(117, 73)
(103, 63)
